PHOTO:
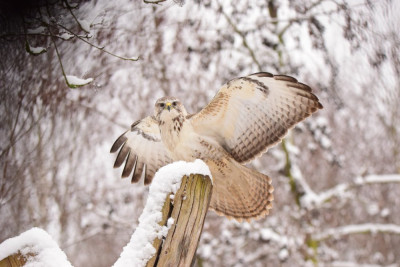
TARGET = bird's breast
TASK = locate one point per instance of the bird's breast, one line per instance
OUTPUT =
(176, 134)
(184, 143)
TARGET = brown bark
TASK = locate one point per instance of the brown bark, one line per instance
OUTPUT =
(189, 210)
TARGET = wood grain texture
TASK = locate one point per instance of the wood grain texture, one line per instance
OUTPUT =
(189, 210)
(14, 260)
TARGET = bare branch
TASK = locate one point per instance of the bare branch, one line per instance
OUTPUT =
(156, 2)
(97, 47)
(244, 41)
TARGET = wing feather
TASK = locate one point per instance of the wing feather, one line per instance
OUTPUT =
(138, 172)
(253, 113)
(121, 155)
(118, 143)
(142, 151)
(130, 163)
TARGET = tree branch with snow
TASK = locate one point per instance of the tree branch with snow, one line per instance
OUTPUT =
(311, 199)
(367, 228)
(49, 25)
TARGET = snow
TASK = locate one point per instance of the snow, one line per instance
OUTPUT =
(283, 254)
(75, 81)
(200, 59)
(167, 180)
(371, 179)
(170, 222)
(312, 199)
(66, 36)
(85, 25)
(268, 234)
(358, 229)
(292, 148)
(354, 264)
(37, 50)
(373, 209)
(385, 212)
(38, 242)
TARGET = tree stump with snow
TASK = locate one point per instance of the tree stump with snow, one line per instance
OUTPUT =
(188, 209)
(34, 247)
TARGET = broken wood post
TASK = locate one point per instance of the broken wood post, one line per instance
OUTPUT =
(34, 247)
(188, 209)
(14, 260)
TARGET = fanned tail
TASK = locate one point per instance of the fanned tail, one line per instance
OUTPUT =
(239, 192)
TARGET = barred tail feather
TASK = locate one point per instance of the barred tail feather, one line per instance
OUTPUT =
(239, 192)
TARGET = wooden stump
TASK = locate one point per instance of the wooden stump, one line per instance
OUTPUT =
(14, 260)
(188, 211)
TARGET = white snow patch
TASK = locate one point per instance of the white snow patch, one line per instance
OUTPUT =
(267, 234)
(206, 251)
(167, 180)
(85, 25)
(325, 142)
(292, 148)
(355, 264)
(37, 50)
(75, 81)
(283, 254)
(358, 229)
(311, 199)
(373, 209)
(385, 212)
(170, 222)
(66, 36)
(383, 178)
(38, 242)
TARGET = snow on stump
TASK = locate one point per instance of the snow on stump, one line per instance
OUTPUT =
(172, 221)
(34, 247)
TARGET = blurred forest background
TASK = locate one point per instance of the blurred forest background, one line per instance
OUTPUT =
(336, 176)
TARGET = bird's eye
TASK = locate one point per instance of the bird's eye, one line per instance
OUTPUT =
(174, 103)
(162, 105)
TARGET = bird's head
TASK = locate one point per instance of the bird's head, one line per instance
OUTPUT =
(168, 107)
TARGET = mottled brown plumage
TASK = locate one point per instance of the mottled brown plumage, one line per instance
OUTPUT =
(246, 117)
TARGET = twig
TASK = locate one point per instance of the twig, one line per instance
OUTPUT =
(244, 41)
(59, 58)
(156, 2)
(69, 7)
(288, 173)
(97, 47)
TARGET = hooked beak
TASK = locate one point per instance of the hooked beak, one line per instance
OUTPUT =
(168, 106)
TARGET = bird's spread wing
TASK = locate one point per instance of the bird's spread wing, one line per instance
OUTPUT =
(252, 113)
(142, 150)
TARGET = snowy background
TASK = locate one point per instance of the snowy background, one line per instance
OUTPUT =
(336, 176)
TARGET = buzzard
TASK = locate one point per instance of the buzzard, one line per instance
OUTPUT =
(246, 117)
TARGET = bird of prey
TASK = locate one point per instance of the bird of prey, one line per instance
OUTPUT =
(246, 117)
